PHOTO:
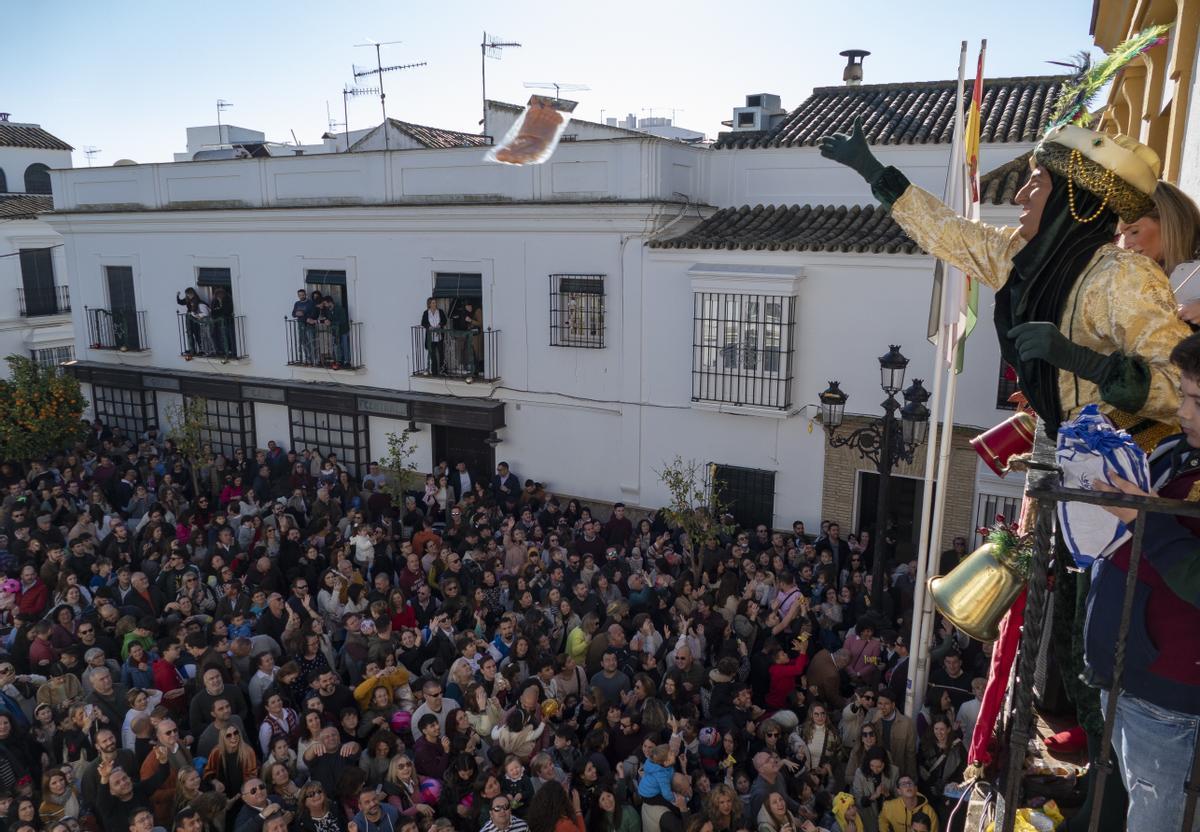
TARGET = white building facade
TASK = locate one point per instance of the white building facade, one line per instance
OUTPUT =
(601, 354)
(35, 302)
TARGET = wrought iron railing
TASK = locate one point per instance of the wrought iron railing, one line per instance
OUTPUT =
(1043, 487)
(51, 300)
(322, 345)
(456, 353)
(209, 337)
(117, 329)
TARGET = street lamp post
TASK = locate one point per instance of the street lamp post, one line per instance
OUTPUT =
(884, 441)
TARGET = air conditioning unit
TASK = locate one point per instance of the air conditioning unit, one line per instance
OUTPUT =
(762, 112)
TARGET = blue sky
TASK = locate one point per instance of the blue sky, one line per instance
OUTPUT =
(129, 77)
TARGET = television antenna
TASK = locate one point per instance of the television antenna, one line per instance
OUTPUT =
(91, 152)
(378, 73)
(557, 86)
(351, 92)
(490, 47)
(222, 106)
(672, 108)
(333, 124)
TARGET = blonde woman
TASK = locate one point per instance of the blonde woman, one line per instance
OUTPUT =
(723, 808)
(1169, 235)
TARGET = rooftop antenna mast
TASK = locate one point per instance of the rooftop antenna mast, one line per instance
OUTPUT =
(672, 108)
(350, 92)
(490, 48)
(557, 86)
(378, 73)
(222, 106)
(333, 124)
(91, 152)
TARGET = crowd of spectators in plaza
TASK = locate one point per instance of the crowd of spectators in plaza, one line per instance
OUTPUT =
(283, 648)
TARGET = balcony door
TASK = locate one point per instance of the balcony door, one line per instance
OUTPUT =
(122, 305)
(37, 281)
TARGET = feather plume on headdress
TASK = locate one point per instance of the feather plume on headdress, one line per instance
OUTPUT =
(1077, 92)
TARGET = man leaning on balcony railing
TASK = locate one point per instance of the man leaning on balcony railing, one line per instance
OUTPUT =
(1158, 707)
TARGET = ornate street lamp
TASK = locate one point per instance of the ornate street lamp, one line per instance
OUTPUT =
(884, 441)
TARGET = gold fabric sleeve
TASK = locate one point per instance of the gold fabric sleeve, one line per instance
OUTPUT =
(1124, 303)
(981, 250)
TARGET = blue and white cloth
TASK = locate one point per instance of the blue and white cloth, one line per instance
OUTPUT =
(1090, 450)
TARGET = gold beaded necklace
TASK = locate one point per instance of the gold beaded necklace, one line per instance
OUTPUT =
(1076, 161)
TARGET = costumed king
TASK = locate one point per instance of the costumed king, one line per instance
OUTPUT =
(1081, 320)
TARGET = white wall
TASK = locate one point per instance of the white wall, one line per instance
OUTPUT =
(14, 161)
(1189, 171)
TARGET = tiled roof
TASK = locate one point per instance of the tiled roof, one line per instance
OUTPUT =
(29, 135)
(431, 137)
(1014, 110)
(19, 206)
(797, 228)
(999, 185)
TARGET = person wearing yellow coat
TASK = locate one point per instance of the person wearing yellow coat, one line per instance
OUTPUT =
(1080, 319)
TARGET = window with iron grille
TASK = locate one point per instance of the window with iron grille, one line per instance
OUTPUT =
(742, 348)
(1005, 387)
(343, 434)
(746, 493)
(577, 310)
(130, 410)
(52, 357)
(228, 426)
(989, 506)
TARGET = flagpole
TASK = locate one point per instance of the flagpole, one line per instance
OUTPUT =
(931, 522)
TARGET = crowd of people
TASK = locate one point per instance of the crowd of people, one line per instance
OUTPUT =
(270, 644)
(282, 646)
(321, 335)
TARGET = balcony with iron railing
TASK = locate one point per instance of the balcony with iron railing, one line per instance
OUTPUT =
(123, 330)
(452, 353)
(38, 302)
(209, 337)
(321, 345)
(1043, 492)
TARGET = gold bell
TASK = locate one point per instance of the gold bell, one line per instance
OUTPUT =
(977, 593)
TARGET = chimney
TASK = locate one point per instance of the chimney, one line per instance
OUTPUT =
(3, 116)
(853, 72)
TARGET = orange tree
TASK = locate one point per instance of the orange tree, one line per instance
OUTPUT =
(40, 411)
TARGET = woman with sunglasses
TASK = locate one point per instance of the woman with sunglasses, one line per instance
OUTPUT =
(232, 761)
(316, 812)
(868, 738)
(403, 788)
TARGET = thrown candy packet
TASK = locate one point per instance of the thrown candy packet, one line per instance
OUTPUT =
(1091, 450)
(534, 135)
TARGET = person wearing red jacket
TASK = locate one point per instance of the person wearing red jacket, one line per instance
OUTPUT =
(167, 677)
(34, 596)
(784, 673)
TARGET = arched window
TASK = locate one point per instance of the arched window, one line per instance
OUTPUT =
(3, 183)
(37, 179)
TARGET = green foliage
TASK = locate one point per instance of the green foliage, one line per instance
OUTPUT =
(186, 424)
(403, 473)
(41, 411)
(694, 499)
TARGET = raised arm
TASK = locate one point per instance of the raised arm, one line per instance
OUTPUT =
(981, 250)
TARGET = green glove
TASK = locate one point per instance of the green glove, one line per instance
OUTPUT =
(1040, 339)
(851, 149)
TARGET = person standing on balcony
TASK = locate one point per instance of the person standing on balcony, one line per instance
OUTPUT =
(191, 302)
(304, 319)
(338, 322)
(1158, 708)
(222, 318)
(433, 321)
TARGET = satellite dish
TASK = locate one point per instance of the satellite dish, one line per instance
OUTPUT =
(120, 163)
